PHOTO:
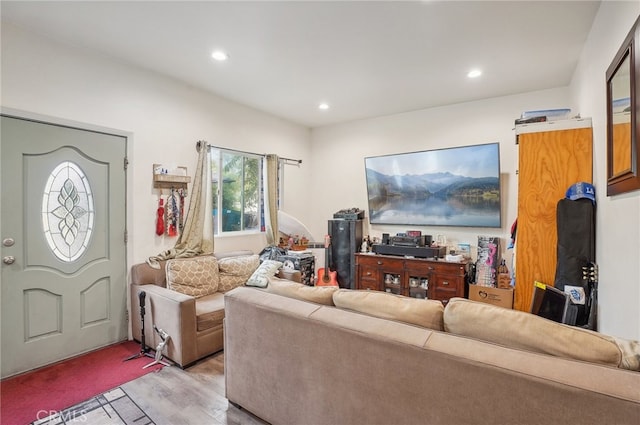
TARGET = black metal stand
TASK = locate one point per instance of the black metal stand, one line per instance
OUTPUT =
(144, 350)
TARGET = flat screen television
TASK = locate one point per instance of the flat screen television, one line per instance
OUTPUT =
(443, 187)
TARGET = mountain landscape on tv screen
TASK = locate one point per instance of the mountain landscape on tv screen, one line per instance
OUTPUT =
(382, 187)
(440, 199)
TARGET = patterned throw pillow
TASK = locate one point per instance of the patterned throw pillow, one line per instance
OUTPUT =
(196, 276)
(260, 277)
(235, 271)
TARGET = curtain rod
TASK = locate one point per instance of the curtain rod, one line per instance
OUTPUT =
(200, 142)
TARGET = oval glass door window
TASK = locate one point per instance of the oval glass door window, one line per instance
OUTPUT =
(67, 211)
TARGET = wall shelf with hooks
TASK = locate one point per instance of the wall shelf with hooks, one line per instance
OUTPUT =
(177, 180)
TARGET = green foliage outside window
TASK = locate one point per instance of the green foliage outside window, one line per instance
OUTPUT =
(236, 200)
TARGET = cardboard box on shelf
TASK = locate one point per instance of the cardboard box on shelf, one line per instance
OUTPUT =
(489, 295)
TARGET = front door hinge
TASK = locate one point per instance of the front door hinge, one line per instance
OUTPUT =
(126, 162)
(126, 236)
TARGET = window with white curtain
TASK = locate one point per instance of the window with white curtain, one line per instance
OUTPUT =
(237, 191)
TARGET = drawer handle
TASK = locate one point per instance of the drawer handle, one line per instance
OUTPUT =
(379, 262)
(444, 282)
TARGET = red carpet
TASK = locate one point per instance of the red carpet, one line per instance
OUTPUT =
(26, 397)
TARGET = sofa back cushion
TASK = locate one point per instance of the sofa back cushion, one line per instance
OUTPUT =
(144, 274)
(316, 294)
(235, 271)
(518, 329)
(425, 313)
(197, 276)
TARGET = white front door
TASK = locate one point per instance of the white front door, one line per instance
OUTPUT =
(62, 230)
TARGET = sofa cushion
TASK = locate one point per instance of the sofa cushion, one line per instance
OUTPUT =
(209, 311)
(523, 330)
(234, 271)
(425, 313)
(316, 294)
(267, 269)
(197, 276)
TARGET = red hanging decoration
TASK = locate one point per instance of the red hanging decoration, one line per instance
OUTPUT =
(160, 218)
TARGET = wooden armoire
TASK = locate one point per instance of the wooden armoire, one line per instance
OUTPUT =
(552, 156)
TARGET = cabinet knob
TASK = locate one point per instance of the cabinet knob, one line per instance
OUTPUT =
(444, 282)
(379, 262)
(368, 273)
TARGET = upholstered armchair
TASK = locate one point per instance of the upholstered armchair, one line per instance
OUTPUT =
(191, 315)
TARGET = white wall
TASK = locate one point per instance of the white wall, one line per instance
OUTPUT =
(339, 151)
(165, 117)
(618, 217)
(339, 177)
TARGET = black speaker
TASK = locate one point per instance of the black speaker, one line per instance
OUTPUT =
(346, 239)
(385, 239)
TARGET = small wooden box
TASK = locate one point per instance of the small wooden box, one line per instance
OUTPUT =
(504, 281)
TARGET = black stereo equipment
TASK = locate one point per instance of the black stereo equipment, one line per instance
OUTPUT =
(349, 214)
(406, 240)
(411, 251)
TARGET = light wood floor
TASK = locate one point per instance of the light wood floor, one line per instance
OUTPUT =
(191, 396)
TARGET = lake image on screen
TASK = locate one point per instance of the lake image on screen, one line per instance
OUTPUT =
(447, 187)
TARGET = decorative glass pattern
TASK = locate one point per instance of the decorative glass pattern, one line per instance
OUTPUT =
(67, 211)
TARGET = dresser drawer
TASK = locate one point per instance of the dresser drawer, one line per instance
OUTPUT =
(368, 273)
(367, 260)
(380, 262)
(447, 268)
(368, 284)
(446, 282)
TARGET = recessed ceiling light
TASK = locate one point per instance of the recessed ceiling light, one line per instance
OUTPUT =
(474, 73)
(323, 106)
(219, 55)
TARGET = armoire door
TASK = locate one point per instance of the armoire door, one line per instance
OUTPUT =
(549, 162)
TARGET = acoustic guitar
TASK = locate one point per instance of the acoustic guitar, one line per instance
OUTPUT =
(325, 276)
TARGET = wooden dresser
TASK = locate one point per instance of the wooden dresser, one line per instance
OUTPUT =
(413, 277)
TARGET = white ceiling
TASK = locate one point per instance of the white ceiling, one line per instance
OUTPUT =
(365, 59)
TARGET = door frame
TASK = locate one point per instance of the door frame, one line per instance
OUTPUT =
(48, 119)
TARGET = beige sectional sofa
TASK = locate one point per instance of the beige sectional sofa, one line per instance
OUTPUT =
(293, 361)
